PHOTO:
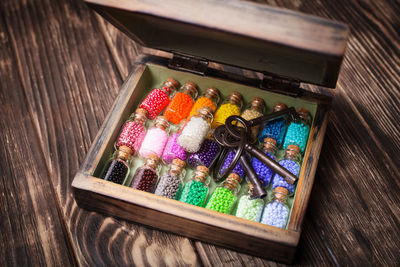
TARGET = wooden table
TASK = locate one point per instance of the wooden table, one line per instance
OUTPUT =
(61, 67)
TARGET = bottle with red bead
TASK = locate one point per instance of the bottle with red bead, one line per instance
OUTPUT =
(181, 104)
(156, 138)
(118, 168)
(172, 149)
(145, 178)
(158, 99)
(133, 132)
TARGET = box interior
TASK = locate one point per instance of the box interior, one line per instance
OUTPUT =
(154, 75)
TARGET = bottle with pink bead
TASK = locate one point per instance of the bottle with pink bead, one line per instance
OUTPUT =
(156, 138)
(173, 150)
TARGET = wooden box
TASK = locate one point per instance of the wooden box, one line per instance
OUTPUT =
(283, 47)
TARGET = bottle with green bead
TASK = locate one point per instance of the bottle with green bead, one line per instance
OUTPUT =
(231, 106)
(195, 191)
(224, 196)
(297, 132)
(248, 207)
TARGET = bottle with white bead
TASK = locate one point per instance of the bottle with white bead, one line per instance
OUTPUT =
(196, 130)
(276, 212)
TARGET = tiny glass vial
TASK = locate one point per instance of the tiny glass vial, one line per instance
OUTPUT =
(209, 99)
(145, 178)
(297, 132)
(224, 196)
(195, 191)
(182, 103)
(231, 106)
(276, 212)
(196, 130)
(250, 208)
(155, 139)
(291, 162)
(159, 98)
(133, 132)
(275, 129)
(170, 184)
(264, 172)
(255, 110)
(117, 170)
(172, 149)
(207, 153)
(238, 169)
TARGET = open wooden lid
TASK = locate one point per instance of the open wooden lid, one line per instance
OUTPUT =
(244, 34)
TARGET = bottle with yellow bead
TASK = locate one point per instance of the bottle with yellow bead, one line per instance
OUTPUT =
(255, 110)
(231, 106)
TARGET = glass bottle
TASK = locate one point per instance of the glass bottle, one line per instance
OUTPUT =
(224, 196)
(196, 130)
(181, 104)
(117, 170)
(145, 178)
(158, 99)
(250, 208)
(210, 98)
(195, 191)
(172, 149)
(292, 163)
(205, 156)
(264, 172)
(170, 184)
(238, 169)
(231, 106)
(275, 129)
(255, 110)
(155, 139)
(133, 132)
(297, 132)
(276, 212)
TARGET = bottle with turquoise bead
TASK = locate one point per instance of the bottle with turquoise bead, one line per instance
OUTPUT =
(195, 191)
(276, 212)
(248, 207)
(224, 196)
(298, 131)
(275, 129)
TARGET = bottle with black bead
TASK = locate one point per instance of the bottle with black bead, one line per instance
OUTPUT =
(118, 168)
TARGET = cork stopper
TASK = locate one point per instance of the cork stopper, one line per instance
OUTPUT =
(232, 181)
(304, 114)
(124, 153)
(257, 104)
(140, 115)
(235, 98)
(152, 161)
(162, 122)
(250, 188)
(205, 112)
(190, 88)
(213, 94)
(171, 85)
(269, 145)
(177, 166)
(201, 174)
(279, 106)
(281, 194)
(293, 152)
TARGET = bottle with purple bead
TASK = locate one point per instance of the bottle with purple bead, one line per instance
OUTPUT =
(156, 138)
(170, 184)
(264, 172)
(238, 169)
(276, 212)
(297, 132)
(275, 129)
(145, 178)
(292, 163)
(205, 156)
(172, 149)
(118, 168)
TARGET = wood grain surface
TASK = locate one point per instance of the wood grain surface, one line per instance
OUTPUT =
(61, 67)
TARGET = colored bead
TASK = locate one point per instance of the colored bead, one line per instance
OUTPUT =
(154, 142)
(263, 171)
(179, 107)
(169, 186)
(238, 167)
(202, 102)
(222, 200)
(155, 102)
(194, 193)
(250, 209)
(131, 135)
(278, 180)
(116, 171)
(297, 134)
(275, 214)
(173, 150)
(275, 130)
(205, 156)
(223, 112)
(193, 134)
(145, 179)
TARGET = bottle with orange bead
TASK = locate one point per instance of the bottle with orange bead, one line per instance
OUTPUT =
(181, 104)
(210, 99)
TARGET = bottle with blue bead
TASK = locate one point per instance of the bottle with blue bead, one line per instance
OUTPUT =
(297, 132)
(118, 168)
(275, 129)
(291, 162)
(276, 212)
(264, 172)
(248, 207)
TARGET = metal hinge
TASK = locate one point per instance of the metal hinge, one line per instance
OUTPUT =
(280, 85)
(188, 63)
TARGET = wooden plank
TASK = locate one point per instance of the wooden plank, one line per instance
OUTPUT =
(32, 228)
(70, 82)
